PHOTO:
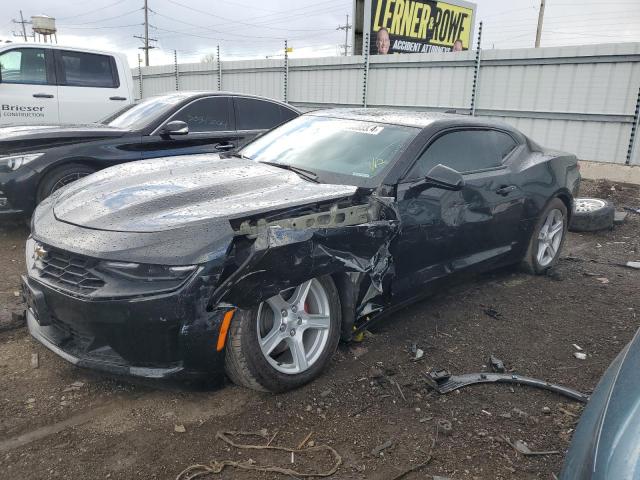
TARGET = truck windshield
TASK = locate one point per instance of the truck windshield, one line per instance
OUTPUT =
(144, 112)
(355, 150)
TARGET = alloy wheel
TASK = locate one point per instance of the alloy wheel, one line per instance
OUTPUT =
(587, 205)
(293, 327)
(550, 237)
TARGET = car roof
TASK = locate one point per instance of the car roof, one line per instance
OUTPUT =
(409, 118)
(214, 93)
(56, 46)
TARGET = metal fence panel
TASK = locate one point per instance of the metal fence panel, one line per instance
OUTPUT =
(421, 80)
(326, 81)
(257, 77)
(580, 99)
(199, 76)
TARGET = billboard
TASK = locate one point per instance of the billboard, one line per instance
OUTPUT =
(418, 26)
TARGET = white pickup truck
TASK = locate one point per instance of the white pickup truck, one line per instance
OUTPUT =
(45, 83)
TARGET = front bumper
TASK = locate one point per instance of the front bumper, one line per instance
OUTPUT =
(18, 193)
(161, 336)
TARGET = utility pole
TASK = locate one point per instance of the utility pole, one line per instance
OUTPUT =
(540, 18)
(24, 28)
(146, 38)
(146, 33)
(346, 27)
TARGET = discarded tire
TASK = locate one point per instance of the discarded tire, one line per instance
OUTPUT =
(591, 215)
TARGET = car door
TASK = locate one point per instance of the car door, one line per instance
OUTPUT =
(28, 90)
(446, 231)
(89, 86)
(211, 130)
(255, 116)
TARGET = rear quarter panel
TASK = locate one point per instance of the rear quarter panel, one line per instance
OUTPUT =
(543, 175)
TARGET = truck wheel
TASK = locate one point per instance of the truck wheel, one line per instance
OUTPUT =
(591, 215)
(287, 340)
(547, 238)
(61, 176)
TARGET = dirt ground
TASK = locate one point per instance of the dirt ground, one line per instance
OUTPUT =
(58, 421)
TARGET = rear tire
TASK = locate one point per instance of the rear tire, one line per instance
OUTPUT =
(547, 239)
(61, 176)
(277, 346)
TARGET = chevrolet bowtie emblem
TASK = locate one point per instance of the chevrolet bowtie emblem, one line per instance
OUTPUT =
(39, 252)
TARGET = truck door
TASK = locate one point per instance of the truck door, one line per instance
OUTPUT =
(90, 88)
(28, 90)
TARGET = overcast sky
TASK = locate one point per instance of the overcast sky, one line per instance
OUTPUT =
(255, 29)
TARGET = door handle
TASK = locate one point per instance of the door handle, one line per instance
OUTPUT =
(42, 95)
(118, 98)
(225, 146)
(506, 190)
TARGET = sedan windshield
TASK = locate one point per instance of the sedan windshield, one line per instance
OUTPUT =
(352, 149)
(144, 112)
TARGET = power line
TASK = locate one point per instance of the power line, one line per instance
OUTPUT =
(92, 11)
(238, 21)
(70, 27)
(103, 19)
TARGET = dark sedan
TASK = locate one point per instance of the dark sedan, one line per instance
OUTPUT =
(258, 262)
(36, 160)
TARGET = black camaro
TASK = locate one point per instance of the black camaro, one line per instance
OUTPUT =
(258, 262)
(36, 160)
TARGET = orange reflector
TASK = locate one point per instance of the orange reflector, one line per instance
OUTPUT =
(224, 328)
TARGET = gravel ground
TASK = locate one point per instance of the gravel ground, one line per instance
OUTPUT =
(372, 406)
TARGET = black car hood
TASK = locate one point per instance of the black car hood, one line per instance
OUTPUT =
(169, 193)
(23, 138)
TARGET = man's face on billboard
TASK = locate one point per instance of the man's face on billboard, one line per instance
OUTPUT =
(457, 46)
(382, 42)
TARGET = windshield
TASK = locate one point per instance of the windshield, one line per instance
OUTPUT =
(143, 112)
(355, 149)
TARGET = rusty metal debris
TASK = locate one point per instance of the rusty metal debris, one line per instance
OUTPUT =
(443, 382)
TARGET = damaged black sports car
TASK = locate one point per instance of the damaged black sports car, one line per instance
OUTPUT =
(257, 263)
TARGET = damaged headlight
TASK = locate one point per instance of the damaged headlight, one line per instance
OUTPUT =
(14, 162)
(146, 272)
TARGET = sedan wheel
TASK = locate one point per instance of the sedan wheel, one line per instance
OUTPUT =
(293, 327)
(547, 239)
(61, 176)
(550, 237)
(287, 340)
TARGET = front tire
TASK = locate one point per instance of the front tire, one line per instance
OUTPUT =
(547, 239)
(61, 176)
(287, 340)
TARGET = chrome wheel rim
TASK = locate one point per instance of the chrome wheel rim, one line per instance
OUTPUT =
(67, 179)
(550, 237)
(293, 327)
(587, 205)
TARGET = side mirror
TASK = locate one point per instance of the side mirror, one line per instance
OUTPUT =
(442, 177)
(177, 127)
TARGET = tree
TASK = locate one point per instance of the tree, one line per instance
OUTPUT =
(208, 58)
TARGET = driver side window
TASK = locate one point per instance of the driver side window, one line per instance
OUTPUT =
(465, 151)
(24, 66)
(210, 114)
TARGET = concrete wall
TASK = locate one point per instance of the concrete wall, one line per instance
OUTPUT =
(580, 99)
